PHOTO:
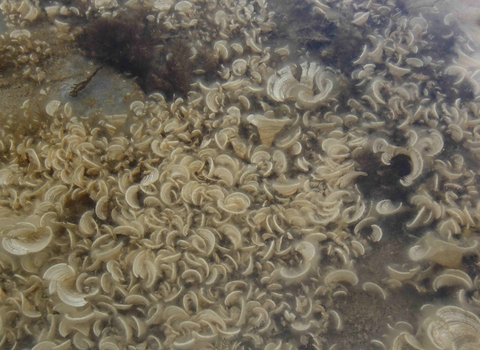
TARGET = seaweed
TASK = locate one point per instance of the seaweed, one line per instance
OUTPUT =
(81, 85)
(6, 62)
(121, 42)
(158, 59)
(175, 75)
(209, 63)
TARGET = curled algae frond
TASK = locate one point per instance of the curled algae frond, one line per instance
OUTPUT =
(25, 237)
(240, 199)
(267, 127)
(452, 326)
(62, 279)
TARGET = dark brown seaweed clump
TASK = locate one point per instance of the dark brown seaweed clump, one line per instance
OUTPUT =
(174, 73)
(5, 61)
(158, 59)
(121, 42)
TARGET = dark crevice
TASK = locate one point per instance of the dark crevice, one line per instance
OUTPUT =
(383, 181)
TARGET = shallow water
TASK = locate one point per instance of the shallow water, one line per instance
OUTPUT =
(239, 175)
